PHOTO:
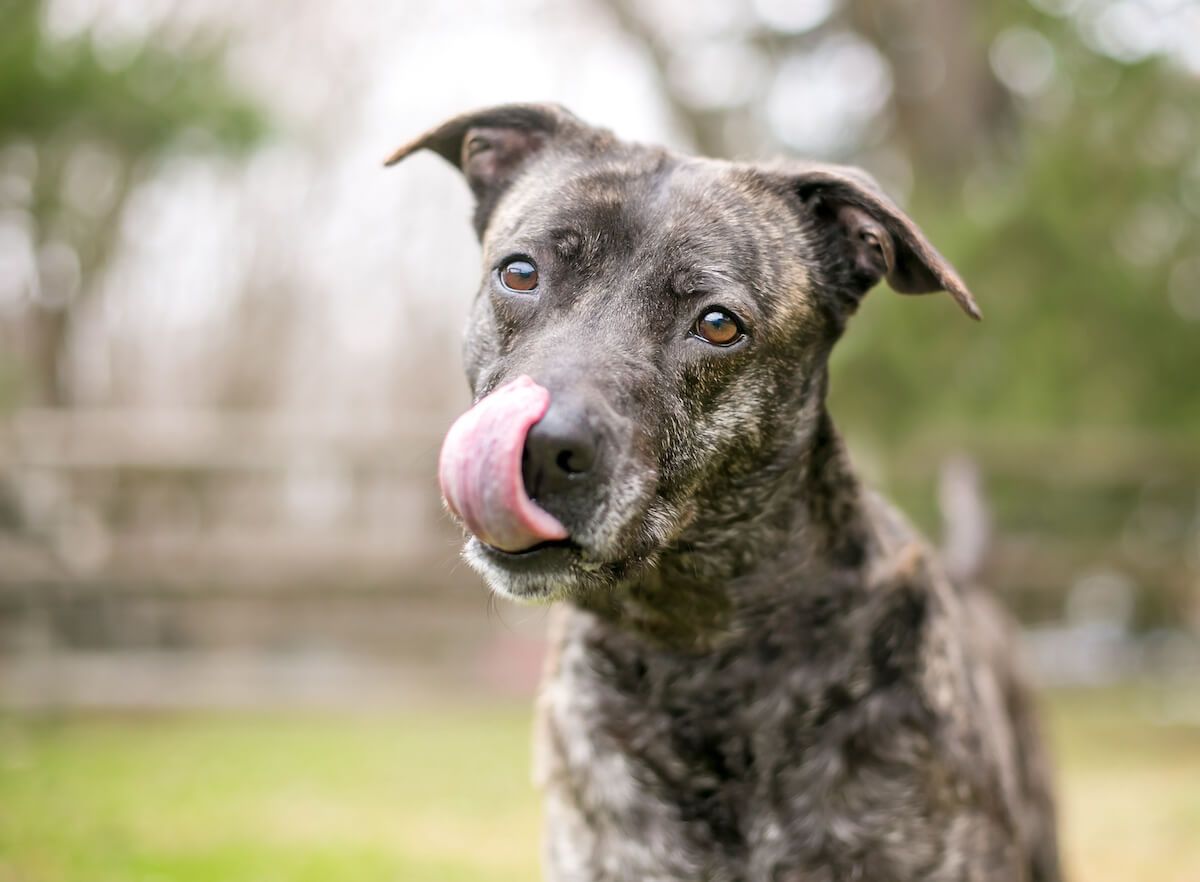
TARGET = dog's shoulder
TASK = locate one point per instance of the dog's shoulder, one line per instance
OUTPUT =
(958, 649)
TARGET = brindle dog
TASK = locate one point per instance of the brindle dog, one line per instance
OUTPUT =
(759, 670)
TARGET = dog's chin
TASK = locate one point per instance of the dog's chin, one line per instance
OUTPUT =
(599, 557)
(545, 573)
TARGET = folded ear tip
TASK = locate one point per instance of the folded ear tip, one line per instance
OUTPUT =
(968, 304)
(395, 156)
(446, 139)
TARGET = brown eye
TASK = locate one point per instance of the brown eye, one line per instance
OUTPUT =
(519, 275)
(718, 328)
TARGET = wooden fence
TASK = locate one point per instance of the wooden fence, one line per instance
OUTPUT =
(201, 557)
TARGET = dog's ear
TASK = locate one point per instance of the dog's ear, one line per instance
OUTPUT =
(491, 146)
(871, 239)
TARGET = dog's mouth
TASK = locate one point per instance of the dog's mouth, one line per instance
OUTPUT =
(545, 558)
(480, 471)
(538, 573)
(529, 553)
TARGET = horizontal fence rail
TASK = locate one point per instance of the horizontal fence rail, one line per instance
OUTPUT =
(194, 544)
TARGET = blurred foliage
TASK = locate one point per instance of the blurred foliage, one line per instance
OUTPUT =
(140, 100)
(1072, 240)
(425, 796)
(80, 121)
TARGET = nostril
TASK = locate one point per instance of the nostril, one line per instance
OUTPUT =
(574, 461)
(560, 449)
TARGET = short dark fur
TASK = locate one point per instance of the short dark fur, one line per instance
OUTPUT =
(759, 671)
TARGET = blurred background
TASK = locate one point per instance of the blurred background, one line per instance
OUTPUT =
(236, 641)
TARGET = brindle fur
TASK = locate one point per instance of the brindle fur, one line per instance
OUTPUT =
(759, 671)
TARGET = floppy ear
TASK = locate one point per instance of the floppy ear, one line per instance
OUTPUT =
(871, 239)
(491, 146)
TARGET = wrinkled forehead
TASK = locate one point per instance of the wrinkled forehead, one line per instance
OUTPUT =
(669, 216)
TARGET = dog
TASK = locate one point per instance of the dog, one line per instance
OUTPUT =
(759, 671)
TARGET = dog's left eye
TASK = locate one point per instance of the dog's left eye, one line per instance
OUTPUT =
(519, 275)
(718, 327)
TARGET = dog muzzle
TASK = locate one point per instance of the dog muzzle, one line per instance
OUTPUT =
(480, 469)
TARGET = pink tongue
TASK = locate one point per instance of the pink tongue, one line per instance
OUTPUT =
(480, 469)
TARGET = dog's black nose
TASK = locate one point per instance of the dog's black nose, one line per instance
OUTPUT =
(560, 452)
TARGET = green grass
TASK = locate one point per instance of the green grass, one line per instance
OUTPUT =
(440, 796)
(445, 795)
(1129, 770)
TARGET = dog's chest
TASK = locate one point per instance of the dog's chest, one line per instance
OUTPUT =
(643, 779)
(739, 767)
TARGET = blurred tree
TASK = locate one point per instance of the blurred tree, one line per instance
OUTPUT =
(79, 124)
(947, 104)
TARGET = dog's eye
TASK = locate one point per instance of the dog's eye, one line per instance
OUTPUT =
(718, 327)
(519, 275)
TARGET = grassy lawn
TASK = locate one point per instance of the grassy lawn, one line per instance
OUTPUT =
(446, 796)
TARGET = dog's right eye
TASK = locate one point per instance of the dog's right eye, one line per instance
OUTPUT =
(718, 327)
(519, 275)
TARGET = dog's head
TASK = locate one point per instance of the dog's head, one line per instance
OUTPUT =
(649, 329)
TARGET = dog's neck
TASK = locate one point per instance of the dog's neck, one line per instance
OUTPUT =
(796, 521)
